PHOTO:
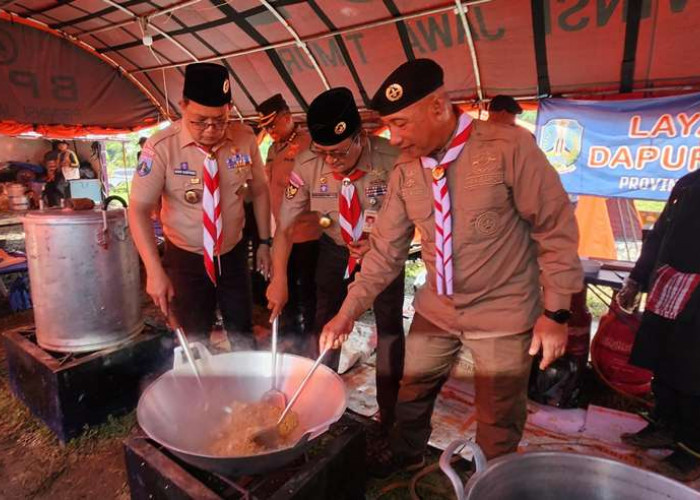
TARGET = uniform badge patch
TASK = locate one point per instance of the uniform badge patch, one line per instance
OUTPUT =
(487, 223)
(290, 191)
(145, 162)
(144, 167)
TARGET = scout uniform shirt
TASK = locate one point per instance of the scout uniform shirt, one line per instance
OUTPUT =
(513, 229)
(320, 190)
(171, 167)
(279, 164)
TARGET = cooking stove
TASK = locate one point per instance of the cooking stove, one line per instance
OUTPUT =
(72, 391)
(333, 467)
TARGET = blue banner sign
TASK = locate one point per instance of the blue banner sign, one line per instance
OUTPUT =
(626, 149)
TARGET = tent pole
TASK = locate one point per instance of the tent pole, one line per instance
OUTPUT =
(330, 34)
(128, 194)
(462, 12)
(155, 28)
(298, 41)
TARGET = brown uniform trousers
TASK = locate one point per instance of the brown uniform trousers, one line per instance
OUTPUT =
(502, 370)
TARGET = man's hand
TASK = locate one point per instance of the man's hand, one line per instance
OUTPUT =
(336, 332)
(551, 337)
(358, 249)
(161, 290)
(277, 296)
(627, 296)
(263, 260)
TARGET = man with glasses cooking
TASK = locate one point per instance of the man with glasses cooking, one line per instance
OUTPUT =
(343, 179)
(297, 317)
(200, 167)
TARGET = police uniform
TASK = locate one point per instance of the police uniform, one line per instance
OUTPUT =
(513, 230)
(297, 317)
(333, 117)
(171, 171)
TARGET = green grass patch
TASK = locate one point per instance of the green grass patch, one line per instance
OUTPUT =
(649, 206)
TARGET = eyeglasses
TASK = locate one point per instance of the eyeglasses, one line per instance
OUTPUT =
(336, 154)
(203, 125)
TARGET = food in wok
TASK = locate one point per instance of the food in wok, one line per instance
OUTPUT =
(234, 437)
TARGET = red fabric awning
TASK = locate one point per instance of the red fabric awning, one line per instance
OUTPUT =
(523, 48)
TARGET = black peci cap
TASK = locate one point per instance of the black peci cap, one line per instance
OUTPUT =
(505, 103)
(333, 117)
(268, 109)
(207, 84)
(406, 85)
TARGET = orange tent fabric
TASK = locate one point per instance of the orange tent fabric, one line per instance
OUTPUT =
(596, 235)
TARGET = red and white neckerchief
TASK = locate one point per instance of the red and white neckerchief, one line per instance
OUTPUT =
(671, 292)
(350, 213)
(211, 214)
(443, 208)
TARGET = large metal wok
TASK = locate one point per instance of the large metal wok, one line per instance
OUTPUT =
(182, 415)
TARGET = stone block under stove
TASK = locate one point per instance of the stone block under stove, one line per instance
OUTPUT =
(333, 467)
(70, 392)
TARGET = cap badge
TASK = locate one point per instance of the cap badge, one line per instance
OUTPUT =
(226, 85)
(340, 128)
(394, 92)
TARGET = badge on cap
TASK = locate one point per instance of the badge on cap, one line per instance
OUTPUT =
(340, 128)
(394, 92)
(192, 196)
(227, 85)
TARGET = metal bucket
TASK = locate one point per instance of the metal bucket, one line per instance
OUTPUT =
(183, 416)
(84, 275)
(551, 475)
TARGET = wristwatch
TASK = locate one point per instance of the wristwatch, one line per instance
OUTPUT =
(266, 241)
(561, 316)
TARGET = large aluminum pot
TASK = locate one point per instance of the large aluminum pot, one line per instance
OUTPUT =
(182, 415)
(551, 475)
(84, 275)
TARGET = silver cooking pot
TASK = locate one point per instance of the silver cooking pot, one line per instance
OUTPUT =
(183, 416)
(553, 475)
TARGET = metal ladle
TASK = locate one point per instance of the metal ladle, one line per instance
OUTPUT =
(274, 396)
(270, 436)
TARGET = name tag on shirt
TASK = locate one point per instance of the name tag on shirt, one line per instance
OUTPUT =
(184, 169)
(369, 217)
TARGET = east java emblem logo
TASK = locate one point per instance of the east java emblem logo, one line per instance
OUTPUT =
(561, 140)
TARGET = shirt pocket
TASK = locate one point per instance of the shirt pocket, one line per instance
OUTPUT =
(418, 203)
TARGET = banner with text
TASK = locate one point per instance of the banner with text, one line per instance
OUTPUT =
(627, 149)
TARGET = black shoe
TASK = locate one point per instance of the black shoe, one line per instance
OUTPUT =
(680, 465)
(382, 462)
(652, 436)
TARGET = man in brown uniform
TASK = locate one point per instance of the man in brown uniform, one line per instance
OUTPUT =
(297, 317)
(496, 228)
(200, 167)
(343, 179)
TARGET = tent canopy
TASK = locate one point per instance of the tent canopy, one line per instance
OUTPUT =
(525, 48)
